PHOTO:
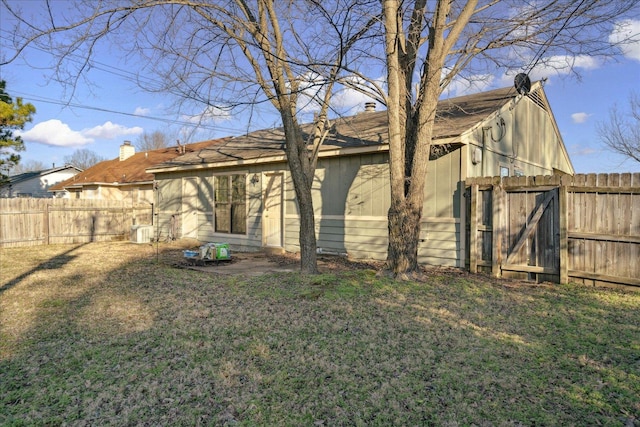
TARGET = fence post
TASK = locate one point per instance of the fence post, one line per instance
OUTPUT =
(46, 223)
(473, 229)
(497, 213)
(564, 235)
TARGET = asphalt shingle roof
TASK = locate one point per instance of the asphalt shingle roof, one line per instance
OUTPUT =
(131, 170)
(454, 116)
(14, 179)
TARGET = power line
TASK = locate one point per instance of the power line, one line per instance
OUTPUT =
(35, 98)
(128, 76)
(547, 44)
(101, 66)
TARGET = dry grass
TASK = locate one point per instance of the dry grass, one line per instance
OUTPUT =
(108, 334)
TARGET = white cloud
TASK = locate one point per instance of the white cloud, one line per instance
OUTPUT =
(563, 64)
(579, 150)
(141, 111)
(110, 131)
(626, 34)
(54, 132)
(311, 90)
(467, 85)
(209, 114)
(350, 98)
(553, 66)
(347, 98)
(580, 117)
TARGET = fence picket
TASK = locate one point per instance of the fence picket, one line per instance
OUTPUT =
(597, 220)
(29, 222)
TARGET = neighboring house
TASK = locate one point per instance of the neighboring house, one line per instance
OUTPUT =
(123, 178)
(37, 183)
(239, 191)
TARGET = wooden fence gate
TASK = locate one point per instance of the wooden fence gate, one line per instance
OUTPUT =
(583, 228)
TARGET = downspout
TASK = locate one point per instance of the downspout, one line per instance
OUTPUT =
(485, 140)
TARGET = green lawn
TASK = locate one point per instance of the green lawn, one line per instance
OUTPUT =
(112, 334)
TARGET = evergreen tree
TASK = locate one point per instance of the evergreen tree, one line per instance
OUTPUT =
(13, 116)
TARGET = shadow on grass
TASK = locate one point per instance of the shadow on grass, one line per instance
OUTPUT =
(148, 343)
(53, 263)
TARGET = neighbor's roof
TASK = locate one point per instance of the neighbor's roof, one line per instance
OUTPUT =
(365, 131)
(14, 179)
(131, 170)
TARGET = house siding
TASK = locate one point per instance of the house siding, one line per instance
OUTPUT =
(170, 210)
(522, 137)
(351, 192)
(351, 201)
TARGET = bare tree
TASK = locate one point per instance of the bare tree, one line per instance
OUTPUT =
(224, 55)
(83, 158)
(28, 166)
(152, 141)
(428, 44)
(622, 132)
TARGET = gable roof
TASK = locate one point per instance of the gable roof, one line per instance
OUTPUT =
(130, 171)
(21, 177)
(364, 132)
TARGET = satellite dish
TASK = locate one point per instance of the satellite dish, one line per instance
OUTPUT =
(522, 83)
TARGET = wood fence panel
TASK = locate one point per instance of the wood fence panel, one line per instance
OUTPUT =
(21, 222)
(26, 222)
(485, 220)
(589, 232)
(471, 255)
(547, 237)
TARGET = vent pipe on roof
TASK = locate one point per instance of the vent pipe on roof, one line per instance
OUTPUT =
(369, 107)
(126, 150)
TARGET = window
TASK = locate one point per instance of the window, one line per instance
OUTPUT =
(504, 170)
(230, 204)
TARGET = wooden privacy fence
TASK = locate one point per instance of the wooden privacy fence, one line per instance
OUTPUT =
(582, 228)
(29, 222)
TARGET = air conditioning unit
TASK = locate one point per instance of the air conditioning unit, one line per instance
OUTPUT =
(141, 233)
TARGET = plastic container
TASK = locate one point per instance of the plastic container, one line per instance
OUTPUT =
(215, 251)
(222, 251)
(190, 254)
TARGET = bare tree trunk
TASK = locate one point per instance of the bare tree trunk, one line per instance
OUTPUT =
(411, 124)
(404, 234)
(302, 176)
(308, 257)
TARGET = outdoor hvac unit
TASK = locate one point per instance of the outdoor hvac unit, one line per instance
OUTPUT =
(141, 233)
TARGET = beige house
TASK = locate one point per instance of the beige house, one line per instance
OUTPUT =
(123, 178)
(239, 190)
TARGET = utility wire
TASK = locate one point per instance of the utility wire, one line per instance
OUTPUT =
(546, 45)
(125, 74)
(35, 98)
(109, 69)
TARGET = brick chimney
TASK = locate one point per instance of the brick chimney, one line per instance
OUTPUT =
(126, 150)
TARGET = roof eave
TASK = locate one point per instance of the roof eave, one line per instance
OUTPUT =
(335, 152)
(270, 159)
(105, 184)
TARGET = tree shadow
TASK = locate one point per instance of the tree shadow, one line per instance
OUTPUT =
(56, 262)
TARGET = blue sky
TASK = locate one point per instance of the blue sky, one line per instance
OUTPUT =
(107, 107)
